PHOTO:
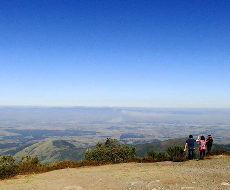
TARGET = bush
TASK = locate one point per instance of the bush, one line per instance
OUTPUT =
(151, 154)
(162, 156)
(111, 151)
(195, 155)
(218, 152)
(8, 168)
(176, 153)
(29, 164)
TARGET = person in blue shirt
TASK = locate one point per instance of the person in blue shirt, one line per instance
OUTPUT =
(190, 144)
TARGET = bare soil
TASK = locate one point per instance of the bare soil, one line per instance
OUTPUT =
(203, 174)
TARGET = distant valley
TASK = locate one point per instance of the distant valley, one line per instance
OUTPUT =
(65, 133)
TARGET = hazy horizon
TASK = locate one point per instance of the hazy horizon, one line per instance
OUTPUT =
(118, 114)
(125, 107)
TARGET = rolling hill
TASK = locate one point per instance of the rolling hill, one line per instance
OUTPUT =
(49, 151)
(52, 150)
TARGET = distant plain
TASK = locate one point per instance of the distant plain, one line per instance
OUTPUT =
(83, 127)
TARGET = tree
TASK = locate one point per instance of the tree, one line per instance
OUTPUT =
(111, 151)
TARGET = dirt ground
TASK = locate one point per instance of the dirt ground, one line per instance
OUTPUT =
(203, 174)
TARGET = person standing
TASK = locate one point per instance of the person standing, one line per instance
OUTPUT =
(202, 147)
(209, 143)
(190, 144)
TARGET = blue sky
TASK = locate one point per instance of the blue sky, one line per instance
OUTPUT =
(146, 53)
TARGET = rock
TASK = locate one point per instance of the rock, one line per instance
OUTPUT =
(225, 184)
(133, 183)
(73, 188)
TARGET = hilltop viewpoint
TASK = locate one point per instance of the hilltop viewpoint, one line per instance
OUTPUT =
(211, 173)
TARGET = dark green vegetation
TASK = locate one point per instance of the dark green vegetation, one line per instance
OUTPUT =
(152, 156)
(159, 146)
(173, 153)
(111, 151)
(162, 156)
(176, 153)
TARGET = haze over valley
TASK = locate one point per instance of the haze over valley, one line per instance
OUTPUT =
(82, 127)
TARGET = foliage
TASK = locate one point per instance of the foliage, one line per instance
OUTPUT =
(111, 143)
(195, 155)
(111, 151)
(218, 152)
(6, 161)
(29, 164)
(162, 156)
(176, 153)
(8, 168)
(151, 154)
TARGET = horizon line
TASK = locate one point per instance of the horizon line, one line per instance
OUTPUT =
(126, 107)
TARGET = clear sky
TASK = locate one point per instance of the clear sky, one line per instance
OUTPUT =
(145, 53)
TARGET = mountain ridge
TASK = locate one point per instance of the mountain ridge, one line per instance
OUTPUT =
(58, 150)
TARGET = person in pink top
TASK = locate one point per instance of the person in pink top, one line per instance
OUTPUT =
(202, 146)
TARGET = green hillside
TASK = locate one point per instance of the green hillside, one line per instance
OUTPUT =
(13, 150)
(49, 151)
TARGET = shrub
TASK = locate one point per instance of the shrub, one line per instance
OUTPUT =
(111, 143)
(151, 154)
(8, 168)
(176, 153)
(138, 160)
(111, 151)
(29, 164)
(218, 152)
(162, 156)
(195, 155)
